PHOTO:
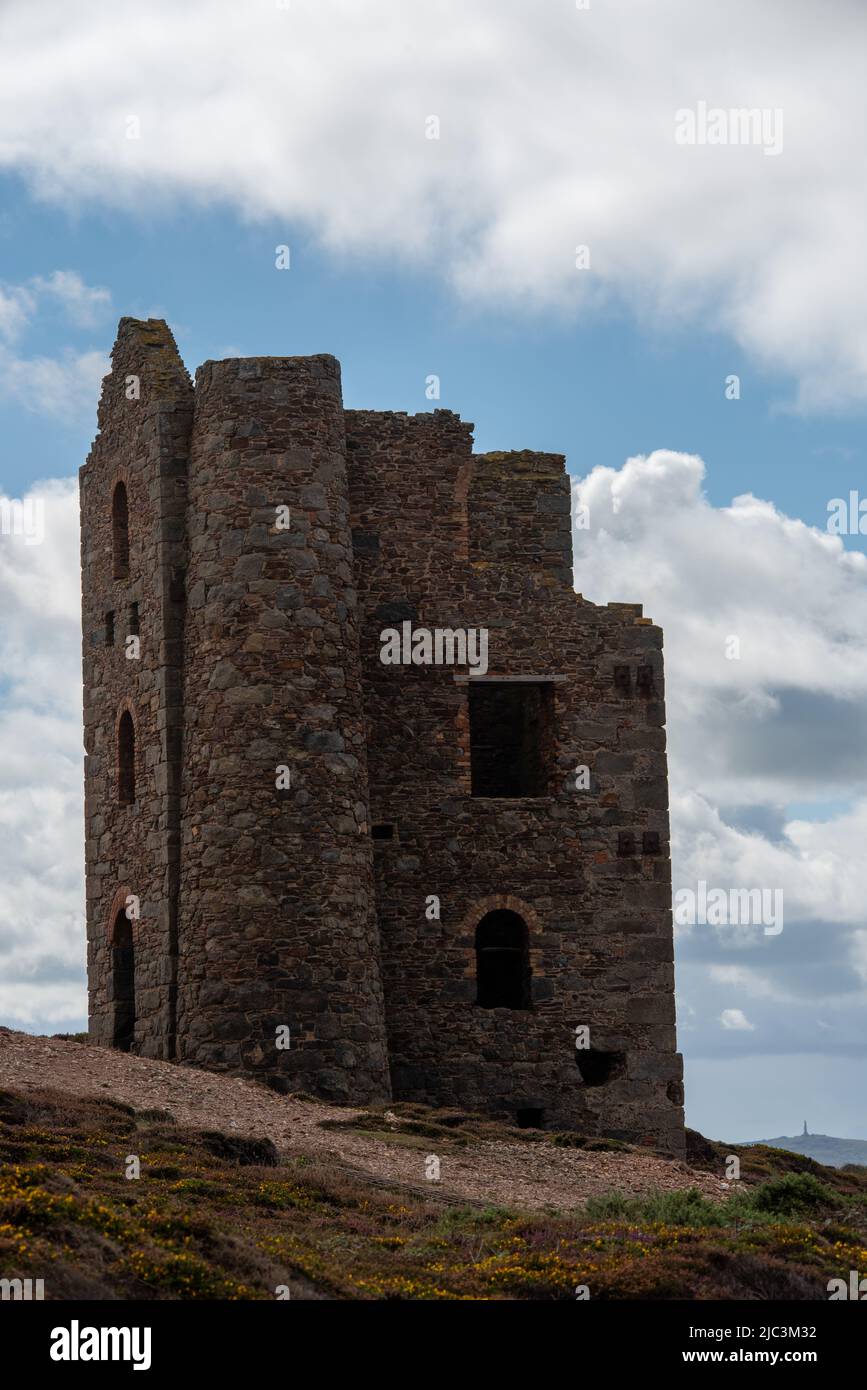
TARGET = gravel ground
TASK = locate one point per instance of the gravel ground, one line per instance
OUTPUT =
(499, 1173)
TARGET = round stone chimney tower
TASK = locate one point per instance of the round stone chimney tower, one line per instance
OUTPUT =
(278, 966)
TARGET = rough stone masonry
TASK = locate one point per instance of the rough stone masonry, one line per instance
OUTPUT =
(365, 880)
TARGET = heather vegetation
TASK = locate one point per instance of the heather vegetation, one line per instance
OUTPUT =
(217, 1216)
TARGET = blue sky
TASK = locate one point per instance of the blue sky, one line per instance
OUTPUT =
(598, 389)
(306, 125)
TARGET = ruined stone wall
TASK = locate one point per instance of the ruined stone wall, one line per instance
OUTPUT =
(278, 925)
(519, 520)
(308, 906)
(144, 420)
(574, 864)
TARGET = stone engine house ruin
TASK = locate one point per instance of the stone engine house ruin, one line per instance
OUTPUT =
(403, 865)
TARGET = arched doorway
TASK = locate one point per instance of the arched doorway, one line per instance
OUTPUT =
(503, 961)
(123, 983)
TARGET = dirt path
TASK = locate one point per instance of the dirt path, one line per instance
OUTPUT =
(527, 1175)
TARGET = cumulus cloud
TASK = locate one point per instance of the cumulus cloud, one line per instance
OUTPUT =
(82, 302)
(42, 938)
(781, 711)
(781, 722)
(817, 865)
(736, 1021)
(556, 129)
(16, 307)
(63, 386)
(751, 982)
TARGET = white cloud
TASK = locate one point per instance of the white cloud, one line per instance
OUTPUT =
(16, 307)
(736, 1021)
(818, 865)
(42, 940)
(781, 719)
(743, 978)
(557, 130)
(82, 302)
(774, 726)
(64, 386)
(784, 724)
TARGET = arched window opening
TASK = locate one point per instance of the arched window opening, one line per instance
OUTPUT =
(120, 532)
(123, 983)
(503, 961)
(126, 759)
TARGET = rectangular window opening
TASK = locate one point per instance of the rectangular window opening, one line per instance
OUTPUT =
(511, 738)
(644, 680)
(598, 1068)
(109, 629)
(623, 679)
(530, 1118)
(382, 831)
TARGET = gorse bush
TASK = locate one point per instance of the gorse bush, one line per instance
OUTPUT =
(795, 1194)
(684, 1208)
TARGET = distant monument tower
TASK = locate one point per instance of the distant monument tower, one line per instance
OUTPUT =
(805, 1129)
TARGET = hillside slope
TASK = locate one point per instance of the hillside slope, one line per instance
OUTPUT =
(511, 1167)
(122, 1178)
(824, 1148)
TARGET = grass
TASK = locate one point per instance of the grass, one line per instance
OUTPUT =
(216, 1216)
(791, 1196)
